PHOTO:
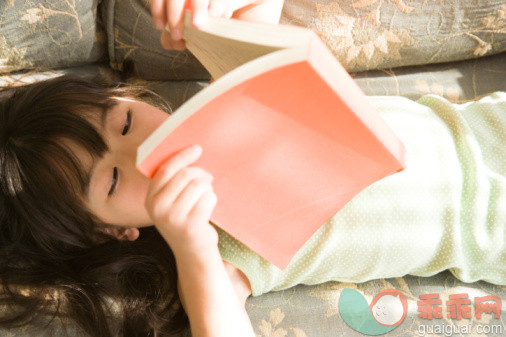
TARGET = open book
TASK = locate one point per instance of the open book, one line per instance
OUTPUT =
(287, 134)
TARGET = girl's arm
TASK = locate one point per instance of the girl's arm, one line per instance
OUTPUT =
(239, 281)
(180, 201)
(170, 13)
(212, 305)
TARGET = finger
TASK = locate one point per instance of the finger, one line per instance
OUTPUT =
(241, 4)
(167, 42)
(165, 39)
(217, 8)
(222, 8)
(191, 194)
(175, 18)
(203, 208)
(173, 165)
(172, 187)
(266, 11)
(159, 13)
(179, 45)
(200, 8)
(161, 206)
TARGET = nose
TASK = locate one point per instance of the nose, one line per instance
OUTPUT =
(127, 159)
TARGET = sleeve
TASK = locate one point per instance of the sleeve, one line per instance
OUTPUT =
(262, 275)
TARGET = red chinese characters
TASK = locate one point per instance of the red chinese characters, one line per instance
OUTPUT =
(458, 306)
(430, 306)
(482, 304)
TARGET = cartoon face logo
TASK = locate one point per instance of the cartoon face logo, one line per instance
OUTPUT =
(387, 310)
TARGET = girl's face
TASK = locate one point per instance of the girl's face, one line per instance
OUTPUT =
(117, 190)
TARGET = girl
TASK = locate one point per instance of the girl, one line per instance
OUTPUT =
(57, 256)
(74, 213)
(76, 237)
(62, 204)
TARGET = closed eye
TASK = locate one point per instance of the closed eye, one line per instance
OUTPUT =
(128, 123)
(114, 181)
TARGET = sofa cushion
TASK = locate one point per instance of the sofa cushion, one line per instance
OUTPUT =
(316, 311)
(134, 44)
(48, 33)
(373, 34)
(363, 34)
(459, 82)
(174, 92)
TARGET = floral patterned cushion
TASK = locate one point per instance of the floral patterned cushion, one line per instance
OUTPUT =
(175, 93)
(48, 33)
(377, 34)
(363, 34)
(134, 44)
(316, 311)
(459, 81)
(307, 311)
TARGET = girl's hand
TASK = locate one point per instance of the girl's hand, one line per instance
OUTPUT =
(180, 200)
(170, 13)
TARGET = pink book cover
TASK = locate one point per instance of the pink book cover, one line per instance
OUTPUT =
(288, 149)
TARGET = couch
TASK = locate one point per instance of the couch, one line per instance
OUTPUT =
(453, 48)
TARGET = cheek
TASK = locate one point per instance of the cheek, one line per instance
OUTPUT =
(130, 203)
(133, 212)
(153, 119)
(138, 191)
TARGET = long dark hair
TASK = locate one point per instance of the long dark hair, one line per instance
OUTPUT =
(54, 259)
